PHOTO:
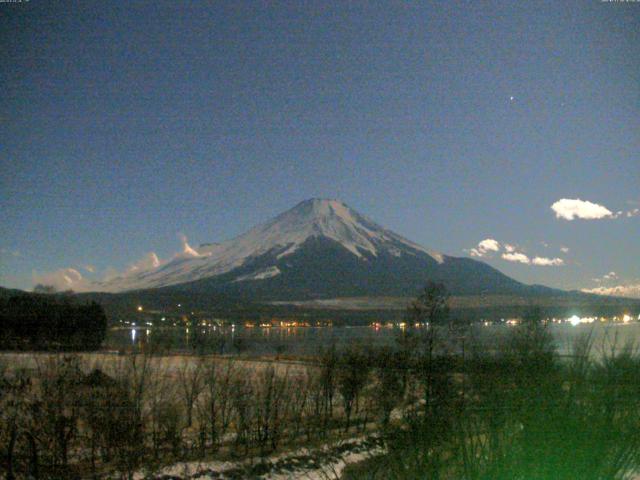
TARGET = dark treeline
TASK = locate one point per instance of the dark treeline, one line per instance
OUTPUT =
(50, 322)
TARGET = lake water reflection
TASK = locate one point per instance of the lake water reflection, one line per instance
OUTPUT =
(308, 340)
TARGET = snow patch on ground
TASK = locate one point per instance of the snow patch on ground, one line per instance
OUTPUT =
(322, 463)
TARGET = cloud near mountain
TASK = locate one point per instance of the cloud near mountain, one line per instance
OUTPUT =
(517, 257)
(62, 279)
(546, 262)
(71, 278)
(487, 247)
(629, 291)
(187, 250)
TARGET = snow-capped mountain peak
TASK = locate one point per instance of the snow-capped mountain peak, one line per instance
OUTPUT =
(282, 236)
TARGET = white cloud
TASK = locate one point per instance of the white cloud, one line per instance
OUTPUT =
(568, 209)
(631, 291)
(151, 261)
(188, 251)
(548, 262)
(511, 254)
(606, 277)
(485, 247)
(633, 213)
(71, 278)
(148, 262)
(62, 279)
(489, 244)
(564, 249)
(516, 257)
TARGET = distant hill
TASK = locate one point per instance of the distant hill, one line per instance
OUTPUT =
(11, 292)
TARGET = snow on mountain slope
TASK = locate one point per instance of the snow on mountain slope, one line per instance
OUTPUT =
(281, 236)
(260, 274)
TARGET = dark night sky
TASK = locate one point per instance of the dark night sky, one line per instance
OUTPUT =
(123, 124)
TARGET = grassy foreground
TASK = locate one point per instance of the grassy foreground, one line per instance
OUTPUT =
(520, 412)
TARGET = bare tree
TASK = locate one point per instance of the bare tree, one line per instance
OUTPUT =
(214, 409)
(190, 381)
(352, 375)
(13, 391)
(389, 389)
(329, 364)
(271, 406)
(126, 419)
(59, 378)
(315, 414)
(94, 396)
(162, 392)
(242, 403)
(429, 310)
(300, 392)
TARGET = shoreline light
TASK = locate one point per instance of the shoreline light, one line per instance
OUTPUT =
(574, 320)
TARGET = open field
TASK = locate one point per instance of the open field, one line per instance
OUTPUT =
(112, 362)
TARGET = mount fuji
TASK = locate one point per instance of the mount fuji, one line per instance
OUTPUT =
(318, 249)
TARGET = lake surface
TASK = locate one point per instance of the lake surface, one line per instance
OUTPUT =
(309, 340)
